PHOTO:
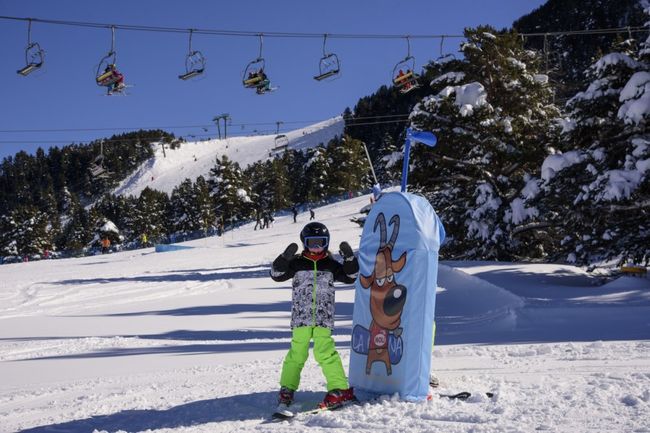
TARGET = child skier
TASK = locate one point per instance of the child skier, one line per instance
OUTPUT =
(312, 313)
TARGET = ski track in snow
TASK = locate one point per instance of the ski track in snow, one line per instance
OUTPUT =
(193, 341)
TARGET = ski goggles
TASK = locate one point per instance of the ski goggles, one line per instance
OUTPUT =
(316, 242)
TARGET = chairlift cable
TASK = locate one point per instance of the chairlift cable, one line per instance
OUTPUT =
(244, 33)
(191, 126)
(268, 132)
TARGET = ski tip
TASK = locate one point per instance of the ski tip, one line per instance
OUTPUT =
(278, 416)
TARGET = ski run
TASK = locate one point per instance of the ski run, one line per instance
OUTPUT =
(193, 341)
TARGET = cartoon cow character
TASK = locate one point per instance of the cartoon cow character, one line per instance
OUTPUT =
(387, 297)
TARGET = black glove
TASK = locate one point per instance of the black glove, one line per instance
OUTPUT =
(345, 250)
(281, 263)
(350, 263)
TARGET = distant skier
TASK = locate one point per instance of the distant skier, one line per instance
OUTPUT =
(295, 213)
(312, 215)
(115, 81)
(106, 244)
(265, 221)
(258, 221)
(312, 313)
(269, 215)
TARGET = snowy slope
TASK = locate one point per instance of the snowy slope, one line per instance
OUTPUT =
(165, 171)
(193, 341)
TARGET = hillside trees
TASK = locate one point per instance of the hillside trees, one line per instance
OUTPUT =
(191, 207)
(378, 120)
(78, 231)
(150, 215)
(566, 57)
(317, 172)
(228, 191)
(349, 166)
(597, 186)
(493, 115)
(25, 231)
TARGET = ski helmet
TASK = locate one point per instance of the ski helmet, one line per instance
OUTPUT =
(315, 235)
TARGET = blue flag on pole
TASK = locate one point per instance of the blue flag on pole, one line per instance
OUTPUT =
(424, 137)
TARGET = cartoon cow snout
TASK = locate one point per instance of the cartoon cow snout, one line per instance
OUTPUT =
(395, 299)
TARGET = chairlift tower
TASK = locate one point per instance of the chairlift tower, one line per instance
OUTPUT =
(216, 120)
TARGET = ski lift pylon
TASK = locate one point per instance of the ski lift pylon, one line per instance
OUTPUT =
(404, 76)
(34, 54)
(194, 63)
(329, 65)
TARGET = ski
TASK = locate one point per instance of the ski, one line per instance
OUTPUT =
(462, 395)
(320, 409)
(309, 409)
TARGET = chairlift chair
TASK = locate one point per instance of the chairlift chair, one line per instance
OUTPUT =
(34, 55)
(281, 140)
(253, 73)
(404, 76)
(107, 73)
(442, 58)
(194, 63)
(97, 169)
(254, 76)
(281, 144)
(329, 65)
(98, 172)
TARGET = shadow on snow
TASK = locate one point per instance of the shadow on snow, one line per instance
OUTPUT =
(233, 408)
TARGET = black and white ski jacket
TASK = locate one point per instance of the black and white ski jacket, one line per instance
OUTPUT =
(313, 287)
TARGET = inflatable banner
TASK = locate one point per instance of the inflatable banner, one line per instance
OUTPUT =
(395, 297)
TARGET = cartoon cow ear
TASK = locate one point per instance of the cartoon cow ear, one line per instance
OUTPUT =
(366, 281)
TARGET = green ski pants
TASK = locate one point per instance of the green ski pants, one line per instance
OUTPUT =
(324, 352)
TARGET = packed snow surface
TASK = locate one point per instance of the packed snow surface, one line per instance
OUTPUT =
(193, 341)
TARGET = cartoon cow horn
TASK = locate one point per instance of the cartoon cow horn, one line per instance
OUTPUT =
(381, 222)
(394, 221)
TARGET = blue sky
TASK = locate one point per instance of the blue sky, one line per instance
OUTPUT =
(64, 94)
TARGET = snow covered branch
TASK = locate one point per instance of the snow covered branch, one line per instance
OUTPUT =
(531, 226)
